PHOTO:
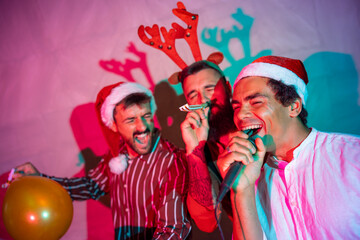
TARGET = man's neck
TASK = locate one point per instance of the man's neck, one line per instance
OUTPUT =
(293, 139)
(131, 153)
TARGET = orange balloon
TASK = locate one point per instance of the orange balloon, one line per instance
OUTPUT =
(37, 208)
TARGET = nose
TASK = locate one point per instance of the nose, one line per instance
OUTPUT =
(202, 98)
(243, 112)
(141, 124)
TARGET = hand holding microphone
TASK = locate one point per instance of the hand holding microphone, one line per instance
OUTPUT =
(241, 162)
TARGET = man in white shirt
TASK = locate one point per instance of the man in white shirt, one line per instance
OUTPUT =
(307, 186)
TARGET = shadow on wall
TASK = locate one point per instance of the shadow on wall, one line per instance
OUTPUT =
(168, 114)
(333, 102)
(92, 145)
(220, 39)
(333, 93)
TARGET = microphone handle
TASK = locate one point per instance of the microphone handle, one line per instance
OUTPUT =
(233, 172)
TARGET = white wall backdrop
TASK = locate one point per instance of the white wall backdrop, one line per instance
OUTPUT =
(50, 72)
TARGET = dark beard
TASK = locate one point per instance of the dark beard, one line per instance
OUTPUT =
(221, 123)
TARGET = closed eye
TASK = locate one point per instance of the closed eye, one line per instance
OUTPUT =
(210, 88)
(256, 102)
(235, 106)
(148, 115)
(192, 95)
(129, 120)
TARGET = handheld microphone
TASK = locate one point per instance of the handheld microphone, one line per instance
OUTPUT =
(233, 172)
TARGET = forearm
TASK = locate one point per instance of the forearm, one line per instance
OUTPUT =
(199, 177)
(79, 188)
(246, 224)
(203, 217)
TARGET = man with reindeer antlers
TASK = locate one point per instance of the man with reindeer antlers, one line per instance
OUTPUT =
(210, 117)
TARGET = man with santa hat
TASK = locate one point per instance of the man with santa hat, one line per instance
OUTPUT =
(144, 174)
(297, 182)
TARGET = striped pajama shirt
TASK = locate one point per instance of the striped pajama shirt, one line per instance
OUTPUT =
(147, 199)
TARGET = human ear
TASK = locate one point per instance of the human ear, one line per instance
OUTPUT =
(228, 86)
(295, 108)
(114, 127)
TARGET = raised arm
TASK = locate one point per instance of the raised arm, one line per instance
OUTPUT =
(195, 129)
(246, 224)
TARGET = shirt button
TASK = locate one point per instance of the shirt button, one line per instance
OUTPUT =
(125, 185)
(126, 209)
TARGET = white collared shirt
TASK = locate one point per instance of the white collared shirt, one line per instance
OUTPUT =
(317, 194)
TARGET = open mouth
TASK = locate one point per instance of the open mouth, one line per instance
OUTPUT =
(142, 138)
(251, 130)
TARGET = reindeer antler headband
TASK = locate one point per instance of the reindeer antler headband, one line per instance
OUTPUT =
(177, 32)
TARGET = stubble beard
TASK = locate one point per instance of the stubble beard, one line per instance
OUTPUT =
(136, 146)
(222, 122)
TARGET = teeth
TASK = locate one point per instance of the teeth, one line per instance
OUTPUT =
(255, 126)
(141, 135)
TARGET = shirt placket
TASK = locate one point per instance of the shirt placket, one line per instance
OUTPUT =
(294, 201)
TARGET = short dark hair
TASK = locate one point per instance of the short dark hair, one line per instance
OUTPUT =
(197, 67)
(131, 99)
(287, 95)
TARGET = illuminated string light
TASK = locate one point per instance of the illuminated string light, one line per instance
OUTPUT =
(32, 217)
(45, 214)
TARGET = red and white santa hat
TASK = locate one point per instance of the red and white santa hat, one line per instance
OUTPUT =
(107, 99)
(288, 71)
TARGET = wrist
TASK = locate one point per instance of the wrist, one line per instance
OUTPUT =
(244, 192)
(198, 149)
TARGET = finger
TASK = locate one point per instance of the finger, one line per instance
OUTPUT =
(239, 134)
(238, 152)
(193, 122)
(242, 154)
(207, 111)
(205, 117)
(201, 113)
(227, 159)
(192, 119)
(223, 163)
(194, 114)
(236, 141)
(261, 149)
